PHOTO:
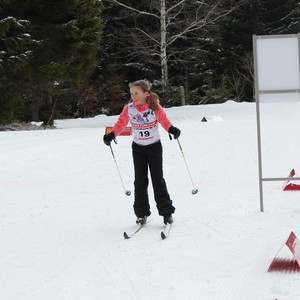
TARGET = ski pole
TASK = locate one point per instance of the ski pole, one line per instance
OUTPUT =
(194, 190)
(127, 192)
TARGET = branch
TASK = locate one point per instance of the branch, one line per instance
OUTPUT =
(147, 35)
(198, 24)
(171, 8)
(136, 10)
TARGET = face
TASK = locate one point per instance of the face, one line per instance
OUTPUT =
(138, 96)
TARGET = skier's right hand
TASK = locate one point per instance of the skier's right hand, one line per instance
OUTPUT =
(108, 138)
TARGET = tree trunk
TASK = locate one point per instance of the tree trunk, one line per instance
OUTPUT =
(182, 95)
(163, 45)
(35, 109)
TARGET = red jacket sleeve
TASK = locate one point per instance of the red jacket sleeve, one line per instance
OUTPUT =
(162, 118)
(122, 121)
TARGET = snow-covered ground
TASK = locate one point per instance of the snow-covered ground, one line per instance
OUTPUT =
(63, 211)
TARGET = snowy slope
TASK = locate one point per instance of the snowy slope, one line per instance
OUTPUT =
(63, 211)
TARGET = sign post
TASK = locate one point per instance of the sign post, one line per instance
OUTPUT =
(277, 79)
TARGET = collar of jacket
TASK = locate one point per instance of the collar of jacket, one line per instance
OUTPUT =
(141, 107)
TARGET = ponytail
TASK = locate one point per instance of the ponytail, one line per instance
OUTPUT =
(153, 100)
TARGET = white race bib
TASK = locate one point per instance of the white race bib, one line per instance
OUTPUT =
(144, 125)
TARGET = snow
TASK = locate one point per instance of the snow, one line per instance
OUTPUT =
(63, 211)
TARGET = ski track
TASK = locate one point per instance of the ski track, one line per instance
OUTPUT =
(63, 212)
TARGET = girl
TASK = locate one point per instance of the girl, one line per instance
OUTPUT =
(144, 113)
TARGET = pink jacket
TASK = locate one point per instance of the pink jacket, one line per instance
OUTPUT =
(123, 120)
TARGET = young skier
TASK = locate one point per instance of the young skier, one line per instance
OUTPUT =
(144, 113)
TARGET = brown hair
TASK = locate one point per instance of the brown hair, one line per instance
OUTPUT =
(145, 86)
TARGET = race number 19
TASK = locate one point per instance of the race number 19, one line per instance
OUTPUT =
(144, 133)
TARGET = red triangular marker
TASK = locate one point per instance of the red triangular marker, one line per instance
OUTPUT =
(289, 186)
(281, 264)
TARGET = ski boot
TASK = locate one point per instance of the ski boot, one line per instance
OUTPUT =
(141, 220)
(168, 219)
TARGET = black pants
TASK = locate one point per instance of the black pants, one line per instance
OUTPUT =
(144, 157)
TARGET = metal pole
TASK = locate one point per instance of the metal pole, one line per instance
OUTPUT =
(127, 192)
(194, 191)
(256, 96)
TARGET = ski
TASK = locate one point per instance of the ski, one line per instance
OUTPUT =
(138, 227)
(165, 233)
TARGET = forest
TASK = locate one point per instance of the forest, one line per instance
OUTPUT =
(75, 58)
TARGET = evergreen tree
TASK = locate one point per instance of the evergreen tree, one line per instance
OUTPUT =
(254, 17)
(16, 47)
(280, 17)
(235, 48)
(67, 34)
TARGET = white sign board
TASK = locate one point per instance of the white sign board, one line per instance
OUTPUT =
(278, 63)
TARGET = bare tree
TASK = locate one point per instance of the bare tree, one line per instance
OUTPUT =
(177, 20)
(241, 76)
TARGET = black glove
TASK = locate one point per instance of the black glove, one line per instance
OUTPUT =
(175, 131)
(107, 138)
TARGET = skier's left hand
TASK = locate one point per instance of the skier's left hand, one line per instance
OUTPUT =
(175, 131)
